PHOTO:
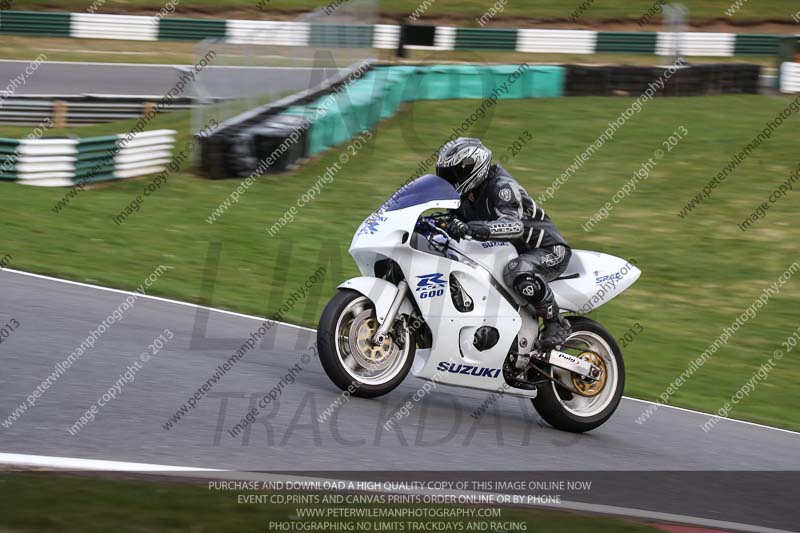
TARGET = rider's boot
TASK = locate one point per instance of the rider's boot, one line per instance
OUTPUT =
(556, 328)
(538, 293)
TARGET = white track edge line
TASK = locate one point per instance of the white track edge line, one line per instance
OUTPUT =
(49, 461)
(304, 328)
(756, 424)
(157, 298)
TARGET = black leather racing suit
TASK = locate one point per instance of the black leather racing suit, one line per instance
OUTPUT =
(501, 210)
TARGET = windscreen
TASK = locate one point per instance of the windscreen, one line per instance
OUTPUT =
(428, 188)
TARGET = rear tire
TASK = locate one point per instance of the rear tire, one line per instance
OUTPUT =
(579, 414)
(351, 363)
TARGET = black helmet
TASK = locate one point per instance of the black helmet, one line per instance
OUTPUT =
(464, 162)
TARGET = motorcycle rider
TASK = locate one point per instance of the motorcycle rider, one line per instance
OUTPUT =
(495, 207)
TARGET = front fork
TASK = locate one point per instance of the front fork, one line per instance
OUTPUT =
(380, 336)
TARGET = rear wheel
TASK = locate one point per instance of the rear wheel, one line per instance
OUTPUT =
(578, 413)
(347, 354)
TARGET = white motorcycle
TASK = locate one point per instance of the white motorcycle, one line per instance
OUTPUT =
(440, 309)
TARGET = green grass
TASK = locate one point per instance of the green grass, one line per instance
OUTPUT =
(85, 505)
(699, 274)
(461, 9)
(97, 50)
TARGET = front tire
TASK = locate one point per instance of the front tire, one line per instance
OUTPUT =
(347, 356)
(571, 412)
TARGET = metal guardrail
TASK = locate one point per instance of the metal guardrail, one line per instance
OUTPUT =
(87, 109)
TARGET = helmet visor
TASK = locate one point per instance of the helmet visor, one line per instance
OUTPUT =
(451, 174)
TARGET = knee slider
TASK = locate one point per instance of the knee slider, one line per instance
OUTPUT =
(531, 286)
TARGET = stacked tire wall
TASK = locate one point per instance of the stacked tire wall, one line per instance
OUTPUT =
(276, 137)
(696, 80)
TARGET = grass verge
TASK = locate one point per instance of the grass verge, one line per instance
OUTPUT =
(85, 505)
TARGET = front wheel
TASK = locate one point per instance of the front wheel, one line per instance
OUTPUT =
(347, 354)
(568, 411)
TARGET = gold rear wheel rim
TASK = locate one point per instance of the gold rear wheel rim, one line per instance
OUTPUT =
(588, 387)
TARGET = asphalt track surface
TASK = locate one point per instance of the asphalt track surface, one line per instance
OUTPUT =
(64, 78)
(738, 472)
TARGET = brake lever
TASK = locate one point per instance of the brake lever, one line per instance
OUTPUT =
(436, 229)
(439, 230)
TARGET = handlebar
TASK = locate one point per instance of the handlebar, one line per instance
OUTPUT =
(437, 223)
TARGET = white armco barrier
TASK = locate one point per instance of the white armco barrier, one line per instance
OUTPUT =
(557, 41)
(790, 77)
(133, 28)
(268, 32)
(383, 36)
(386, 36)
(695, 44)
(67, 162)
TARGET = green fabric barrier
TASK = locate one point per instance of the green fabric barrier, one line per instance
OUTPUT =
(469, 81)
(336, 123)
(395, 89)
(346, 114)
(545, 82)
(326, 131)
(380, 92)
(521, 87)
(314, 142)
(49, 24)
(454, 81)
(367, 99)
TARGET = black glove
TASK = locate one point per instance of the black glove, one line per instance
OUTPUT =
(479, 231)
(457, 229)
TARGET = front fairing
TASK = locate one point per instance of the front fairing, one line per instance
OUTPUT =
(389, 234)
(392, 225)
